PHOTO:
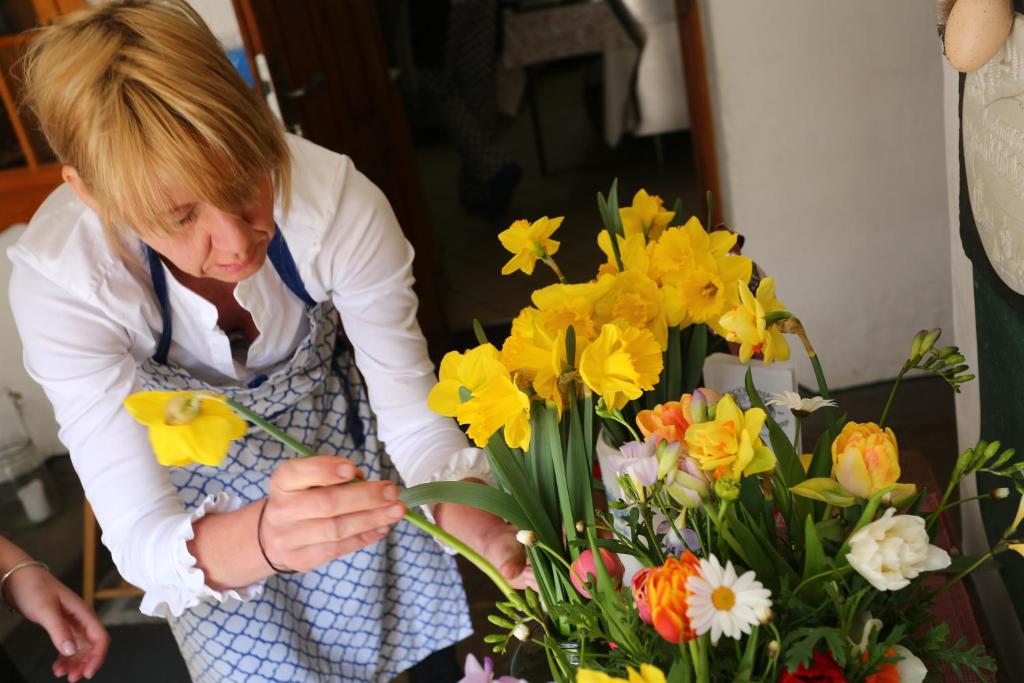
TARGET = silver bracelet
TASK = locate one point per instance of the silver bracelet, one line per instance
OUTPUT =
(9, 572)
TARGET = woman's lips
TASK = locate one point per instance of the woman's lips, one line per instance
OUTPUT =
(239, 265)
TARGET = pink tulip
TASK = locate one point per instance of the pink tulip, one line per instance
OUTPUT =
(639, 585)
(584, 569)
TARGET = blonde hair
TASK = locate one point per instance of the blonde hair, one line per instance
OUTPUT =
(139, 97)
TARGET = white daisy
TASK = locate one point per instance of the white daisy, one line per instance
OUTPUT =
(722, 603)
(799, 406)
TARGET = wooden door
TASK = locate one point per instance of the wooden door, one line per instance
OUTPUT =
(329, 69)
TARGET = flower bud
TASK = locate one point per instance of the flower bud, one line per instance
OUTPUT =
(727, 488)
(764, 614)
(526, 537)
(915, 347)
(945, 351)
(1001, 493)
(929, 340)
(580, 527)
(773, 648)
(521, 632)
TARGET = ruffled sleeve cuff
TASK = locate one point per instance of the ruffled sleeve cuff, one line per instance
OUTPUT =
(190, 588)
(465, 463)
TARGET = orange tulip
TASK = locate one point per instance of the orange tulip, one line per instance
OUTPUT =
(667, 594)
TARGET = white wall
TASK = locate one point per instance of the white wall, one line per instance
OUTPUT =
(830, 138)
(220, 17)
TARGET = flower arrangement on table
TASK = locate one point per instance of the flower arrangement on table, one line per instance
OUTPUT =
(760, 562)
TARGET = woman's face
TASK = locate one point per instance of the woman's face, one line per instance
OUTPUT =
(215, 244)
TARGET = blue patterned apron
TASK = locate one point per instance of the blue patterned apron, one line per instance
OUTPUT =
(364, 617)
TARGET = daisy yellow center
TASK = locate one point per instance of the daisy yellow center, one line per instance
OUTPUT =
(723, 599)
(181, 409)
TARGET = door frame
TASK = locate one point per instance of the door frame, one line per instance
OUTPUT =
(698, 98)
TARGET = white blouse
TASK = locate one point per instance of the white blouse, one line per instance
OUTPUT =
(87, 319)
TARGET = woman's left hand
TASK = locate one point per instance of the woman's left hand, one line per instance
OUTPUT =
(73, 627)
(490, 536)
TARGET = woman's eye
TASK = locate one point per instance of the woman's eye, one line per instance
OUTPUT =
(189, 217)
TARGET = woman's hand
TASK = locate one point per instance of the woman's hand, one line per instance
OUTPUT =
(318, 508)
(490, 536)
(72, 626)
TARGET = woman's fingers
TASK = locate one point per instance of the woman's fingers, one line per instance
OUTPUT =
(299, 474)
(313, 532)
(315, 555)
(343, 499)
(91, 631)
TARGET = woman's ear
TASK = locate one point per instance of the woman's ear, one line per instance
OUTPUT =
(71, 177)
(974, 31)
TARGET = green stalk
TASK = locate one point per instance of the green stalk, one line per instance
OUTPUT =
(413, 518)
(297, 446)
(892, 394)
(794, 326)
(959, 577)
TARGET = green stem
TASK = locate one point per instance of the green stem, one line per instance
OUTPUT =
(297, 446)
(476, 558)
(959, 577)
(550, 263)
(812, 579)
(945, 498)
(892, 394)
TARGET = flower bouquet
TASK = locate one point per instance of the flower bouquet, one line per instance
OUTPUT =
(759, 562)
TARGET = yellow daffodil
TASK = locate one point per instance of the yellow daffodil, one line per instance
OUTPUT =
(497, 404)
(536, 356)
(646, 216)
(186, 427)
(529, 242)
(460, 371)
(621, 364)
(745, 324)
(634, 251)
(646, 674)
(730, 445)
(697, 273)
(635, 299)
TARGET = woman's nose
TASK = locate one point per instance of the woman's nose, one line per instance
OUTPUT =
(229, 233)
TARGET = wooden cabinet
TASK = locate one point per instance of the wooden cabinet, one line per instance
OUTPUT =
(28, 169)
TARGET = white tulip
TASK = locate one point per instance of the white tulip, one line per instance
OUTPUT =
(910, 668)
(894, 549)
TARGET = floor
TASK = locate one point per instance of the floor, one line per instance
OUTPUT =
(470, 259)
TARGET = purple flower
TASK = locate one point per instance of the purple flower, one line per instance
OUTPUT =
(675, 545)
(638, 460)
(477, 673)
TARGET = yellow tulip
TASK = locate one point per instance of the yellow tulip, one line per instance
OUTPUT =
(646, 216)
(462, 371)
(730, 445)
(746, 325)
(621, 364)
(186, 427)
(528, 242)
(646, 674)
(865, 459)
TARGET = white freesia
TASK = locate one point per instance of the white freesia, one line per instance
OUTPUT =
(802, 406)
(894, 549)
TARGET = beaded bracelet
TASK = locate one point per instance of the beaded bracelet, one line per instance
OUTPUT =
(9, 572)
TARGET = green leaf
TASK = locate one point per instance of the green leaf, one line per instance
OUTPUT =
(789, 468)
(746, 547)
(814, 559)
(551, 444)
(696, 352)
(540, 466)
(508, 470)
(578, 466)
(821, 463)
(468, 493)
(826, 490)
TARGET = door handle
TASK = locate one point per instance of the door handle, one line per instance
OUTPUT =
(315, 82)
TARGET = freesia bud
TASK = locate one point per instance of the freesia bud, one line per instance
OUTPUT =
(698, 407)
(1001, 493)
(929, 340)
(526, 537)
(727, 488)
(521, 632)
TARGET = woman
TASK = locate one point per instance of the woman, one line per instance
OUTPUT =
(195, 246)
(27, 587)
